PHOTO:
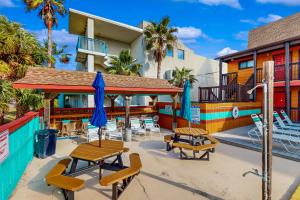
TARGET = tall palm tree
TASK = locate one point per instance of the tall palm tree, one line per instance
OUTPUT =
(124, 64)
(47, 11)
(160, 37)
(180, 75)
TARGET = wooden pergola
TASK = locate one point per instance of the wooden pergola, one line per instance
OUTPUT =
(53, 81)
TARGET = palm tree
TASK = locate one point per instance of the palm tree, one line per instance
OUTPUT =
(18, 50)
(58, 52)
(27, 100)
(159, 37)
(124, 64)
(6, 93)
(47, 11)
(180, 75)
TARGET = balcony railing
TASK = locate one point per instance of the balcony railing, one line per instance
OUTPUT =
(279, 73)
(92, 45)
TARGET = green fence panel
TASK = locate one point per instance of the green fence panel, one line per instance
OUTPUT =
(21, 149)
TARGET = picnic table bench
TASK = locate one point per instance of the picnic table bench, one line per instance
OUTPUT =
(122, 177)
(173, 143)
(68, 184)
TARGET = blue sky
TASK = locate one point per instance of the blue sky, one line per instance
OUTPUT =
(209, 27)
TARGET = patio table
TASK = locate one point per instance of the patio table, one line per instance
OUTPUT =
(192, 133)
(92, 153)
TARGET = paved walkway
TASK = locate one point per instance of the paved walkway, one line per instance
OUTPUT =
(239, 137)
(164, 176)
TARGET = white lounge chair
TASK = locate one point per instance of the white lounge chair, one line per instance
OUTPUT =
(278, 137)
(150, 125)
(92, 133)
(288, 120)
(112, 130)
(136, 127)
(282, 125)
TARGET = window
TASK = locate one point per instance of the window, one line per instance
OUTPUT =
(170, 52)
(180, 54)
(246, 64)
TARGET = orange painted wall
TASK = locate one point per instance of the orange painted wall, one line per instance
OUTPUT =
(244, 74)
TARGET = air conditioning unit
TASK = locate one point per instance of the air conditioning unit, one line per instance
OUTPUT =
(169, 74)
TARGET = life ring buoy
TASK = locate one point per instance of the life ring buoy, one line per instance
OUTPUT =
(235, 112)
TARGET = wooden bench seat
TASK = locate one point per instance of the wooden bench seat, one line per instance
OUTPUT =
(168, 139)
(205, 147)
(68, 185)
(123, 177)
(296, 194)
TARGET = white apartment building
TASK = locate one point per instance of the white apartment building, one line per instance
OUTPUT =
(99, 38)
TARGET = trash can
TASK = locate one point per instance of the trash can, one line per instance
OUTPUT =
(45, 143)
(127, 135)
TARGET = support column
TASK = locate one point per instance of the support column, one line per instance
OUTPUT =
(174, 121)
(127, 110)
(254, 73)
(154, 100)
(112, 102)
(90, 61)
(287, 79)
(47, 106)
(220, 78)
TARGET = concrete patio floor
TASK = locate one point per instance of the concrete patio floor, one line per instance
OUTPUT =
(164, 176)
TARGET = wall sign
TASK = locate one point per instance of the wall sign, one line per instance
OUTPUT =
(195, 114)
(235, 112)
(4, 145)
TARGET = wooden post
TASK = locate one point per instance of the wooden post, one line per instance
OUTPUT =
(112, 102)
(154, 100)
(47, 104)
(127, 110)
(287, 79)
(220, 79)
(254, 73)
(267, 129)
(174, 121)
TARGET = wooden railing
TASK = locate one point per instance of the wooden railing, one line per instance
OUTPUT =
(279, 73)
(229, 78)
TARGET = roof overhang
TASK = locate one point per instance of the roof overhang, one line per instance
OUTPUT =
(103, 27)
(61, 81)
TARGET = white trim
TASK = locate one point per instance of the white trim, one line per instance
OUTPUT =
(91, 52)
(107, 20)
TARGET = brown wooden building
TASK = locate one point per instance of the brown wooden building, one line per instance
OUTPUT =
(278, 41)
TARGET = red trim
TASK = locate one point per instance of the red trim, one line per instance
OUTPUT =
(16, 124)
(90, 89)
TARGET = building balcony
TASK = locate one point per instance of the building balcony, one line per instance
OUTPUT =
(279, 73)
(87, 45)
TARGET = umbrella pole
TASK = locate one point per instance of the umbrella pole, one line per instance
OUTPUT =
(100, 135)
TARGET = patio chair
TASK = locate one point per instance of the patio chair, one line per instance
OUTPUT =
(288, 120)
(150, 125)
(112, 130)
(92, 133)
(282, 125)
(278, 136)
(136, 127)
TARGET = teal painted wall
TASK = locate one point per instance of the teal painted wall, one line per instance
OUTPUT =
(21, 143)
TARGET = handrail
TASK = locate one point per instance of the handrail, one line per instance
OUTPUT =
(91, 44)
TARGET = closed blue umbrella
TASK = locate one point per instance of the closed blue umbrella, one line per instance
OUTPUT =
(185, 108)
(99, 118)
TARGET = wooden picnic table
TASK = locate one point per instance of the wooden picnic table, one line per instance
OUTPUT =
(192, 133)
(92, 153)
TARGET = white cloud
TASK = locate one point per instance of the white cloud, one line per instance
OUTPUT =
(7, 3)
(284, 2)
(188, 33)
(61, 37)
(226, 51)
(262, 20)
(242, 35)
(231, 3)
(269, 18)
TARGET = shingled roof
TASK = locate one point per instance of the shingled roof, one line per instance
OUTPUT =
(280, 30)
(48, 79)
